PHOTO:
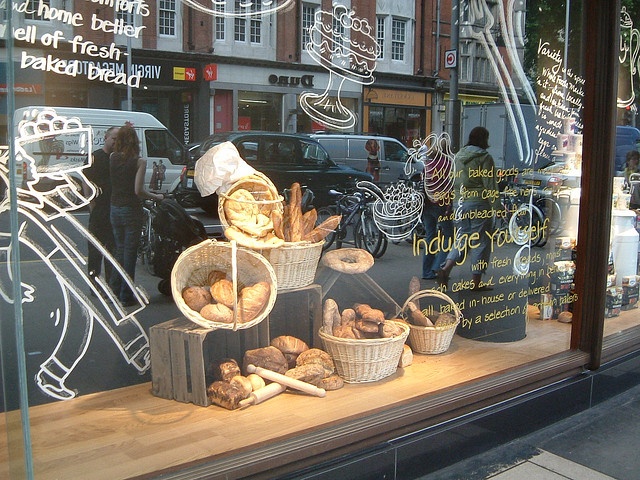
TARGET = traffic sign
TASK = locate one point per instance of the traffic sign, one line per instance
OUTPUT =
(451, 59)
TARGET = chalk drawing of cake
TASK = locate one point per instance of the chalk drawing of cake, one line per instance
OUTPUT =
(344, 45)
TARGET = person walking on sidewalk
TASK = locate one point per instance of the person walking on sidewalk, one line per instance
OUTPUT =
(100, 207)
(127, 190)
(476, 184)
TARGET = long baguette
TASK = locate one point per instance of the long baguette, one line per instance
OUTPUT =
(309, 220)
(295, 213)
(322, 230)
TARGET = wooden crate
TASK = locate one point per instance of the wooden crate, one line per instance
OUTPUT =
(181, 351)
(298, 312)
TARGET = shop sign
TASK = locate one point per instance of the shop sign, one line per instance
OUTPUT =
(286, 81)
(186, 117)
(23, 88)
(396, 97)
(211, 72)
(184, 74)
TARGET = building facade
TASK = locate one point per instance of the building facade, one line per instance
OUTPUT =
(553, 329)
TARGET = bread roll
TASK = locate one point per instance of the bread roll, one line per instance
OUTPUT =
(348, 316)
(267, 357)
(369, 314)
(343, 331)
(222, 292)
(390, 330)
(196, 297)
(445, 319)
(258, 225)
(224, 369)
(217, 312)
(316, 356)
(214, 276)
(332, 382)
(270, 240)
(565, 317)
(257, 382)
(290, 346)
(417, 317)
(330, 315)
(311, 373)
(244, 383)
(240, 206)
(366, 326)
(252, 301)
(406, 358)
(226, 394)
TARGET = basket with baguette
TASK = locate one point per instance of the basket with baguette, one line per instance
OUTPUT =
(287, 237)
(432, 327)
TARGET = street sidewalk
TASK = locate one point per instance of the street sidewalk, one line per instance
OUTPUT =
(600, 443)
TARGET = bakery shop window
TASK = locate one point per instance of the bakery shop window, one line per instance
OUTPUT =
(621, 310)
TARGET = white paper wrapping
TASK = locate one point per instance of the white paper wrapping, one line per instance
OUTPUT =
(219, 168)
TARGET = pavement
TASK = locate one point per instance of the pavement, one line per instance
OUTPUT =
(601, 443)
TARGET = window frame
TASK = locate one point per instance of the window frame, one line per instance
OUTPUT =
(170, 17)
(398, 45)
(380, 34)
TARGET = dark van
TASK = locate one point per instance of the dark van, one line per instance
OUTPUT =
(353, 150)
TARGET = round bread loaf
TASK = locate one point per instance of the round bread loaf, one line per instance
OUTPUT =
(222, 292)
(217, 312)
(196, 297)
(320, 357)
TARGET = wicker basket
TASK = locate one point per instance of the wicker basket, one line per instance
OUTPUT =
(436, 339)
(245, 266)
(295, 263)
(262, 189)
(365, 360)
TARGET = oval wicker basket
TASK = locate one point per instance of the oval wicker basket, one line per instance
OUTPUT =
(295, 263)
(262, 189)
(245, 267)
(365, 360)
(435, 339)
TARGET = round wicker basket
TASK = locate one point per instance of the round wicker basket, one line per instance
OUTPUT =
(245, 267)
(365, 360)
(435, 339)
(261, 187)
(295, 263)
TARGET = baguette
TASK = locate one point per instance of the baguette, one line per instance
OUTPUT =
(295, 213)
(309, 220)
(322, 230)
(278, 223)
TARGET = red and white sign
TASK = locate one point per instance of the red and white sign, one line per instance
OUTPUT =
(450, 59)
(211, 72)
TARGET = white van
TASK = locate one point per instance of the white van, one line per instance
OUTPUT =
(350, 149)
(157, 144)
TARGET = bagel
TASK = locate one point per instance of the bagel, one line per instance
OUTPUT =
(348, 260)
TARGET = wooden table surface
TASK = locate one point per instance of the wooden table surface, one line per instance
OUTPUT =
(128, 432)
